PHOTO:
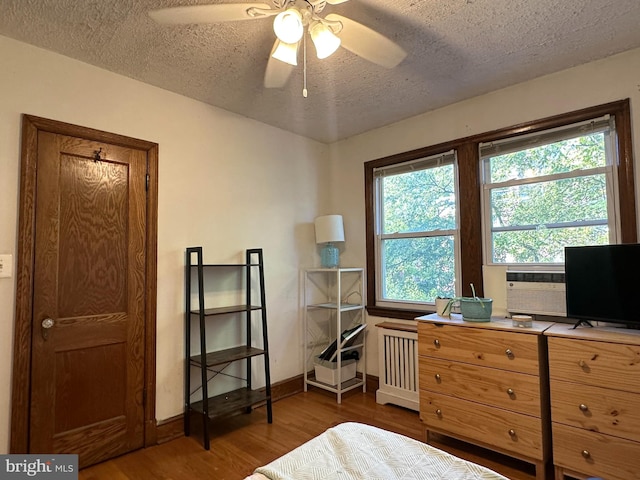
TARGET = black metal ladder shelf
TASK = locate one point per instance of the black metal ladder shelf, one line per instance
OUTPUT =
(216, 361)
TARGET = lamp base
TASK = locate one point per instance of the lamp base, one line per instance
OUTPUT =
(329, 256)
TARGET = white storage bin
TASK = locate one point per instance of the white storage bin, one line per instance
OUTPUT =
(327, 372)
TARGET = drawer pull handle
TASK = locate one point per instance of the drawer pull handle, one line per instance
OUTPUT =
(512, 433)
(586, 454)
(584, 408)
(508, 352)
(439, 412)
(436, 342)
(510, 392)
(438, 378)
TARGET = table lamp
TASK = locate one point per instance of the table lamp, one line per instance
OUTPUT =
(329, 229)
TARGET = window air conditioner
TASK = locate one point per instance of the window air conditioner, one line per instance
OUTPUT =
(541, 293)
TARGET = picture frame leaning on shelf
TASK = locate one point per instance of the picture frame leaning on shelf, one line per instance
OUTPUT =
(347, 338)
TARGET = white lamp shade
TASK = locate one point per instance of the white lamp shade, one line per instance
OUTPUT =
(329, 228)
(286, 52)
(325, 41)
(288, 26)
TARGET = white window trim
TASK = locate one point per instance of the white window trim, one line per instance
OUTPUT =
(405, 167)
(512, 144)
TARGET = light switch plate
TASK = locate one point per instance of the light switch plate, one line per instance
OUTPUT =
(6, 266)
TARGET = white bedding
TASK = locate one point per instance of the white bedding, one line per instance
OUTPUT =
(354, 451)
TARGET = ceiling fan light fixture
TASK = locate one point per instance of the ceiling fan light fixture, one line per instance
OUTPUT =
(288, 26)
(286, 52)
(325, 41)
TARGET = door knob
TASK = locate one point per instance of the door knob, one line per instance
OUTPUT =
(47, 323)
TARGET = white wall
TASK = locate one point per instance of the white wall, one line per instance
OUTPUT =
(610, 79)
(225, 182)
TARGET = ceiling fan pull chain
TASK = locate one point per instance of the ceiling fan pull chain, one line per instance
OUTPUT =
(304, 66)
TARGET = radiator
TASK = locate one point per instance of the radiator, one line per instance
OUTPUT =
(398, 365)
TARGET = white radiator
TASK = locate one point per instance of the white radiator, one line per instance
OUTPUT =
(398, 365)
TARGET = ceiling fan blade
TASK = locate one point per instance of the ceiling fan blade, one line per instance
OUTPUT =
(277, 73)
(336, 2)
(368, 43)
(222, 12)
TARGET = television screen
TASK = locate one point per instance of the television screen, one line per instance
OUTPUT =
(602, 283)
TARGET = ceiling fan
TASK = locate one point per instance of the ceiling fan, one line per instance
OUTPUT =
(292, 17)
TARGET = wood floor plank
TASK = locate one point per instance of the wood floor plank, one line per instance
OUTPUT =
(244, 442)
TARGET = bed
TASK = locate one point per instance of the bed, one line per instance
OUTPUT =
(354, 451)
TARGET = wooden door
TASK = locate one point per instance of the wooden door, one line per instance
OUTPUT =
(89, 299)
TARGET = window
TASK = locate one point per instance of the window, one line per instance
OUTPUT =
(416, 229)
(549, 190)
(421, 239)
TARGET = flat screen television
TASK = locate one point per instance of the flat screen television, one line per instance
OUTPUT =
(603, 283)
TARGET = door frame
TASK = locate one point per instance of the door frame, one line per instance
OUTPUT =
(20, 410)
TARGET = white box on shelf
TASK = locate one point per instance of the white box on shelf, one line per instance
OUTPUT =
(327, 372)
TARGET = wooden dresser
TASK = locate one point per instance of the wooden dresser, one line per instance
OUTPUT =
(487, 384)
(595, 402)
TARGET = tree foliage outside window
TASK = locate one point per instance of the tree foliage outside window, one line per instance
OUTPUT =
(418, 233)
(542, 199)
(550, 183)
(538, 199)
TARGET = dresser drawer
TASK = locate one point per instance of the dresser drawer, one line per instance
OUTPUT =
(491, 348)
(509, 431)
(598, 455)
(597, 409)
(610, 365)
(519, 392)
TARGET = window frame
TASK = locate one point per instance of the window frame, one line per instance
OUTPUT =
(522, 142)
(470, 194)
(423, 163)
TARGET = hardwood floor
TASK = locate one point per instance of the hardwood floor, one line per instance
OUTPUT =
(244, 442)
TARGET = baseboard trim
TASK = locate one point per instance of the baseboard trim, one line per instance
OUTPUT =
(170, 429)
(373, 383)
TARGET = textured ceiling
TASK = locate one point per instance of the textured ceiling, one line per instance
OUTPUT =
(457, 49)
